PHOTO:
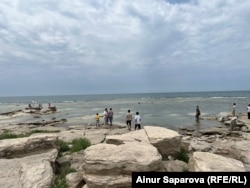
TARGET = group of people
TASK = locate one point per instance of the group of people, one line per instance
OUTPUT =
(198, 113)
(108, 116)
(33, 104)
(234, 116)
(129, 118)
(108, 119)
(234, 111)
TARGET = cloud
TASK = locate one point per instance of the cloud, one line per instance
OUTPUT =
(161, 45)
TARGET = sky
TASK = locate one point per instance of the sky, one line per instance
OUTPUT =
(65, 47)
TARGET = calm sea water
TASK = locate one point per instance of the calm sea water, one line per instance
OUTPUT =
(171, 110)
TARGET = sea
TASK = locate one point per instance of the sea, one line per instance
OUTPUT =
(174, 110)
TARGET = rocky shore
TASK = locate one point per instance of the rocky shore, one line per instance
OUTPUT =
(116, 152)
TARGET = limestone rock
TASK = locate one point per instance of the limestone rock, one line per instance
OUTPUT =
(75, 180)
(77, 160)
(101, 181)
(10, 148)
(238, 150)
(33, 171)
(167, 141)
(134, 136)
(206, 162)
(95, 136)
(108, 165)
(175, 166)
(199, 145)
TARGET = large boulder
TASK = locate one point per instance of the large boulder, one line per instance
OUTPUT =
(10, 148)
(167, 141)
(28, 162)
(206, 162)
(34, 171)
(108, 165)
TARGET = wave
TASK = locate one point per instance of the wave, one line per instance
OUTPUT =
(173, 114)
(69, 101)
(228, 97)
(223, 114)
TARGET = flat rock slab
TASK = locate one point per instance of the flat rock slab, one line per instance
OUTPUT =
(208, 162)
(132, 136)
(10, 148)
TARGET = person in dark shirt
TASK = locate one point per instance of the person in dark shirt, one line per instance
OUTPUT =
(110, 116)
(198, 113)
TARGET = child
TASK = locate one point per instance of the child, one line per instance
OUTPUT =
(97, 118)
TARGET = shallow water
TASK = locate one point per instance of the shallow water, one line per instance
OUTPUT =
(171, 110)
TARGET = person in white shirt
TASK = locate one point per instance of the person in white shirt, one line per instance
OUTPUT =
(248, 111)
(105, 115)
(137, 121)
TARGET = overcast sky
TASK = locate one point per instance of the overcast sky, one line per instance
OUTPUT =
(60, 47)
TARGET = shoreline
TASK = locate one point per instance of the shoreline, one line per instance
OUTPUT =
(36, 120)
(172, 111)
(205, 147)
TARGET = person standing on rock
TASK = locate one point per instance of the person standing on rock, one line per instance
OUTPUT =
(97, 119)
(234, 110)
(137, 121)
(248, 111)
(110, 116)
(129, 120)
(105, 116)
